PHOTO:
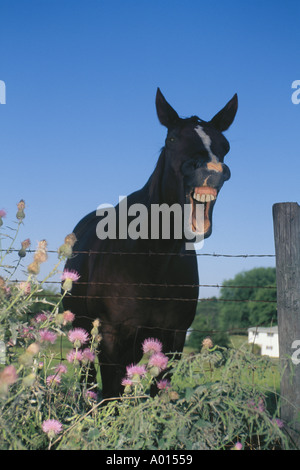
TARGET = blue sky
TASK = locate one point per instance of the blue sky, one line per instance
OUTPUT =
(79, 126)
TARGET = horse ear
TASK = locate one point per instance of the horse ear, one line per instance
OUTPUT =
(224, 118)
(166, 114)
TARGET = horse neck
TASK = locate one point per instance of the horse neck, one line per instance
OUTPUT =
(152, 193)
(154, 184)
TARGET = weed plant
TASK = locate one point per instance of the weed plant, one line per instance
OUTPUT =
(214, 399)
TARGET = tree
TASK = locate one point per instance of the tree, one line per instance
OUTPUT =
(237, 310)
(206, 324)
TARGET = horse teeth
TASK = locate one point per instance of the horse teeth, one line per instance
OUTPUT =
(204, 197)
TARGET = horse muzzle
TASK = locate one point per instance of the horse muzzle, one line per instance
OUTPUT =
(203, 188)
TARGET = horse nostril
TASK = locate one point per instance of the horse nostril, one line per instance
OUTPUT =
(215, 167)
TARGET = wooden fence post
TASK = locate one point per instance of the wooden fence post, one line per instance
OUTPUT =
(286, 219)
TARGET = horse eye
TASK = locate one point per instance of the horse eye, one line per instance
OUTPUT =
(171, 139)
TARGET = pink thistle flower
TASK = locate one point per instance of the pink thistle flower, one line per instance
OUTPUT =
(26, 332)
(53, 379)
(47, 336)
(25, 287)
(78, 336)
(52, 427)
(88, 355)
(237, 446)
(152, 346)
(278, 422)
(2, 214)
(126, 382)
(74, 356)
(261, 405)
(163, 385)
(40, 317)
(69, 277)
(9, 375)
(73, 275)
(257, 406)
(68, 317)
(135, 370)
(7, 291)
(91, 395)
(158, 360)
(61, 369)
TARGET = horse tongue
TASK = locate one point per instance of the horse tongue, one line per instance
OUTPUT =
(198, 224)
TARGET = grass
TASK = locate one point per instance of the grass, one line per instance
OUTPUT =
(270, 378)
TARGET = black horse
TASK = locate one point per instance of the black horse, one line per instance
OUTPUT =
(146, 285)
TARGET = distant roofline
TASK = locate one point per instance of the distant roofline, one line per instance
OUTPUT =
(264, 329)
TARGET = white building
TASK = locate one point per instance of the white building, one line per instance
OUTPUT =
(266, 338)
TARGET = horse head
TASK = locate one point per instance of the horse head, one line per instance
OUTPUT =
(193, 160)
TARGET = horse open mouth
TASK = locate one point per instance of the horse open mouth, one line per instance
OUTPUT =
(207, 196)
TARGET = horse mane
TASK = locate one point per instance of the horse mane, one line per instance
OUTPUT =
(155, 179)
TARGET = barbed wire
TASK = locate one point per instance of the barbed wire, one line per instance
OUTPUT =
(151, 298)
(92, 252)
(142, 284)
(160, 285)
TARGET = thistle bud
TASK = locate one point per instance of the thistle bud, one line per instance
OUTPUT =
(95, 329)
(40, 255)
(26, 359)
(2, 284)
(21, 206)
(28, 381)
(207, 343)
(34, 268)
(154, 371)
(98, 338)
(96, 323)
(71, 239)
(25, 244)
(2, 214)
(33, 349)
(65, 251)
(59, 319)
(173, 395)
(3, 389)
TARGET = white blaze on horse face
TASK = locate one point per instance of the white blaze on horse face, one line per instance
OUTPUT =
(207, 143)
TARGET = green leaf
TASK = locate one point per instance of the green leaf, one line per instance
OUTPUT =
(93, 434)
(189, 393)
